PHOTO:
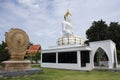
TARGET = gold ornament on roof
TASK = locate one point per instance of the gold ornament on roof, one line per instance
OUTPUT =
(67, 13)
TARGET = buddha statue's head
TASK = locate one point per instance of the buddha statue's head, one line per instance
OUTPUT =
(67, 16)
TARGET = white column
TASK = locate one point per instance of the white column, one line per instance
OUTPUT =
(115, 53)
(41, 60)
(110, 58)
(79, 59)
(92, 55)
(91, 59)
(56, 57)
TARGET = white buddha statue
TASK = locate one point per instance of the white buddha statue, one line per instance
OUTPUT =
(66, 25)
(68, 37)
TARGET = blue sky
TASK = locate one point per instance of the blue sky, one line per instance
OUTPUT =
(41, 19)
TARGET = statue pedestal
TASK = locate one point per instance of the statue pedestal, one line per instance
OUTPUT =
(70, 40)
(16, 65)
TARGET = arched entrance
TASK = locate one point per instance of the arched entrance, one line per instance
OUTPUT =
(100, 58)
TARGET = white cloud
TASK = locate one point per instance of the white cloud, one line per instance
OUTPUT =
(34, 4)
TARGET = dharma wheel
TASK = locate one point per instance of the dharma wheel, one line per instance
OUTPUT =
(17, 41)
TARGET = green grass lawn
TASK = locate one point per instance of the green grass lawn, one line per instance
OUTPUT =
(56, 74)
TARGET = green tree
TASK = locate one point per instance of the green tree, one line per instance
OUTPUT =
(37, 57)
(98, 31)
(114, 33)
(118, 56)
(34, 56)
(4, 55)
(101, 31)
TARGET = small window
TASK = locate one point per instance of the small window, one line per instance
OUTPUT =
(49, 57)
(67, 57)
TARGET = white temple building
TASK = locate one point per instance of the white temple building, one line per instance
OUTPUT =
(72, 53)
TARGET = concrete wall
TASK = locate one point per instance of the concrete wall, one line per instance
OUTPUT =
(72, 66)
(107, 45)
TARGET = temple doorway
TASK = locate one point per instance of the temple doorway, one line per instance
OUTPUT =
(85, 58)
(101, 58)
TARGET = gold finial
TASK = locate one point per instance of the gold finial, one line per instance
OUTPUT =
(67, 13)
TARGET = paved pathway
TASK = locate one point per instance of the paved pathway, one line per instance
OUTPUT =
(20, 73)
